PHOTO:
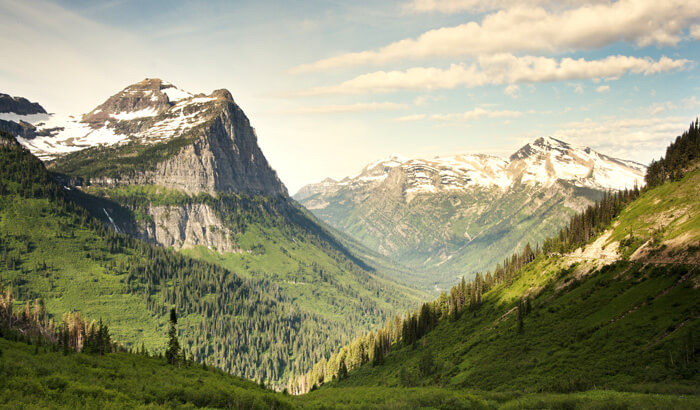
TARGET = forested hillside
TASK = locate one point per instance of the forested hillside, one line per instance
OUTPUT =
(50, 247)
(612, 302)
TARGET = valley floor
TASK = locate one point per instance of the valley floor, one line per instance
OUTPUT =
(36, 377)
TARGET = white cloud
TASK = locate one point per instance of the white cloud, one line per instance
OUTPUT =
(497, 70)
(690, 102)
(660, 107)
(638, 138)
(512, 90)
(528, 29)
(476, 114)
(478, 6)
(424, 99)
(358, 107)
(408, 118)
(695, 31)
(578, 88)
(602, 89)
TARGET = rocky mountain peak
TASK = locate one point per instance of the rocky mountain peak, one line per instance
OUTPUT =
(543, 162)
(19, 105)
(222, 94)
(147, 98)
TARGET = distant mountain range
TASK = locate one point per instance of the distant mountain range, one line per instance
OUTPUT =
(457, 215)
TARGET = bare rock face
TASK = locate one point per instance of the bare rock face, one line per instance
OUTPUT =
(193, 143)
(226, 157)
(187, 226)
(145, 96)
(19, 105)
(7, 140)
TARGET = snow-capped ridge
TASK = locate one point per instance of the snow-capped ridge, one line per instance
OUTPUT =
(150, 111)
(542, 162)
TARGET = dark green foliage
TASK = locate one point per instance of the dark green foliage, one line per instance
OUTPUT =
(250, 326)
(589, 223)
(172, 353)
(97, 340)
(680, 156)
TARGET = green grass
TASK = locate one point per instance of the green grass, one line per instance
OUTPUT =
(36, 377)
(39, 378)
(665, 213)
(629, 326)
(76, 277)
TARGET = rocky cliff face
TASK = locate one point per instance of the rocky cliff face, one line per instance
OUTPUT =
(187, 226)
(19, 105)
(199, 143)
(154, 134)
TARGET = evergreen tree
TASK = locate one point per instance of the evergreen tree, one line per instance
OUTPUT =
(342, 370)
(173, 351)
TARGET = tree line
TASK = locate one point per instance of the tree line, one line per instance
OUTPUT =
(31, 324)
(681, 156)
(244, 326)
(466, 296)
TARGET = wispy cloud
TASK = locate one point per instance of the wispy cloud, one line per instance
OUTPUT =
(522, 30)
(480, 6)
(358, 107)
(476, 114)
(602, 89)
(513, 90)
(409, 118)
(625, 138)
(500, 69)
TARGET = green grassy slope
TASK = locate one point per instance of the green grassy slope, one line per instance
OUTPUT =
(294, 297)
(631, 325)
(32, 377)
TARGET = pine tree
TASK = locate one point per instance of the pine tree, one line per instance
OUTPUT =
(342, 370)
(173, 351)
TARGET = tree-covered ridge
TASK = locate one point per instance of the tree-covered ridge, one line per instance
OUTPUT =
(51, 247)
(681, 156)
(549, 275)
(562, 324)
(466, 296)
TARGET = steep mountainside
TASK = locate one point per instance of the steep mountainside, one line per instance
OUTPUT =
(186, 172)
(460, 214)
(621, 312)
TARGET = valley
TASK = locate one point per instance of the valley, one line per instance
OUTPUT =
(455, 216)
(151, 237)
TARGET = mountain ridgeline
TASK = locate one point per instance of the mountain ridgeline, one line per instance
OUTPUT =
(159, 198)
(611, 302)
(455, 215)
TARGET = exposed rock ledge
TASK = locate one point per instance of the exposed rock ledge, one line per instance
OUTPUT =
(187, 226)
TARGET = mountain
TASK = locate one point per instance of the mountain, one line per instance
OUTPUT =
(610, 304)
(460, 214)
(610, 324)
(174, 171)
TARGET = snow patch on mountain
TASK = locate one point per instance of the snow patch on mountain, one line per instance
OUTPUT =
(540, 163)
(150, 112)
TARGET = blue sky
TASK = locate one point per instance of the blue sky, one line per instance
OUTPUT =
(331, 85)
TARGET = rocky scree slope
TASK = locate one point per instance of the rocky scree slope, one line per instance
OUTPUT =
(457, 215)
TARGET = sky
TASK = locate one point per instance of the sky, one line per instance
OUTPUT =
(331, 86)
